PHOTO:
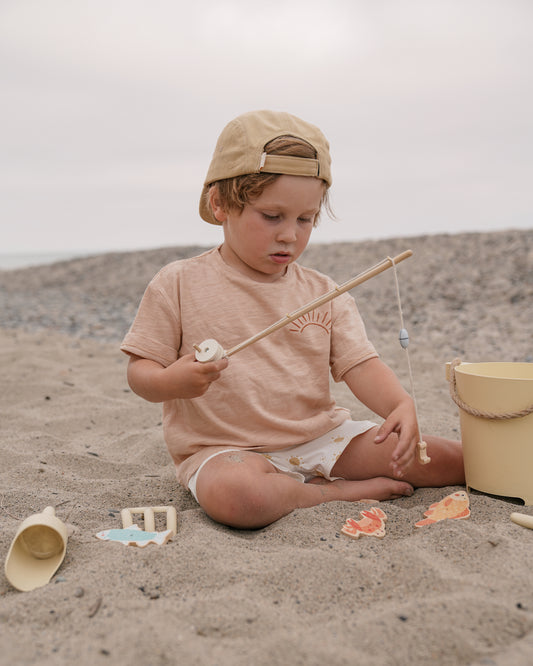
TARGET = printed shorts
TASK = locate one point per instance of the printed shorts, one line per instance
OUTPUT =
(305, 461)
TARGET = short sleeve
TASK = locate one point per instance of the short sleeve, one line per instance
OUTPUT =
(349, 342)
(155, 333)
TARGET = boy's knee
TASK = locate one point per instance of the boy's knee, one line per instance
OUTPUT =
(233, 499)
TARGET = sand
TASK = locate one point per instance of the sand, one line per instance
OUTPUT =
(297, 592)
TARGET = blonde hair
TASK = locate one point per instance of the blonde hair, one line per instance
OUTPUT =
(238, 191)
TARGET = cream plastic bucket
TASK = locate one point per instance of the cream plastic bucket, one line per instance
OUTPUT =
(498, 452)
(37, 551)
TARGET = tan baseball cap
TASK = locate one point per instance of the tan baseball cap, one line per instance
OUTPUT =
(240, 150)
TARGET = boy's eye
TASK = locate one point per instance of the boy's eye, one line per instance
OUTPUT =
(305, 219)
(272, 218)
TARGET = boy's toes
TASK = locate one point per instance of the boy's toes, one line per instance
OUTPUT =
(403, 489)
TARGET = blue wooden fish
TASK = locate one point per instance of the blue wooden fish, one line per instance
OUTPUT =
(134, 536)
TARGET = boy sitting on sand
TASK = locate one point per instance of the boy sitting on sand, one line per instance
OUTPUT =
(258, 435)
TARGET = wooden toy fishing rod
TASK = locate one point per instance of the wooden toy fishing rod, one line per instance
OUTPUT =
(211, 350)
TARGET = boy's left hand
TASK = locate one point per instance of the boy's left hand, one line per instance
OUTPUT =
(402, 421)
(377, 387)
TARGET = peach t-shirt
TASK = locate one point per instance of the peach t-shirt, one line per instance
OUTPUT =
(275, 393)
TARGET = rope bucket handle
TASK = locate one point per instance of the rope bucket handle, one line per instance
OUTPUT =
(477, 412)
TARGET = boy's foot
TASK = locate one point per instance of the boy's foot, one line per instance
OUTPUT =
(378, 488)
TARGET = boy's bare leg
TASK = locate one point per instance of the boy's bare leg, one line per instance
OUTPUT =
(364, 459)
(243, 489)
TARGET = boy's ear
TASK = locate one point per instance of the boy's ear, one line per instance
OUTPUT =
(216, 204)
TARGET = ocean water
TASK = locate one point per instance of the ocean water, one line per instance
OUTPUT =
(22, 260)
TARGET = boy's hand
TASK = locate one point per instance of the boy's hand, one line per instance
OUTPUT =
(377, 387)
(191, 378)
(185, 378)
(402, 421)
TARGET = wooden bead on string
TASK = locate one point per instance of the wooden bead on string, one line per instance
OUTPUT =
(403, 337)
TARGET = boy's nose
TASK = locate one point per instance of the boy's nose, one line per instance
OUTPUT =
(287, 233)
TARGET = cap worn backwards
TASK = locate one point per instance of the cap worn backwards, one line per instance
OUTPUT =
(240, 150)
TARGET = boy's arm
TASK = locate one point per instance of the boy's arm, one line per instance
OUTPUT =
(185, 378)
(376, 386)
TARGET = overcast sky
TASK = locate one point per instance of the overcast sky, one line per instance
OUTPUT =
(111, 108)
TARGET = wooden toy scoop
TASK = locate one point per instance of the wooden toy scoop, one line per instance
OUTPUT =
(37, 550)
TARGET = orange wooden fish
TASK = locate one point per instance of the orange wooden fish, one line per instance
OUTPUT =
(372, 523)
(454, 506)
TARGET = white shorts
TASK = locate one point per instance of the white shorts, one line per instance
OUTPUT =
(305, 461)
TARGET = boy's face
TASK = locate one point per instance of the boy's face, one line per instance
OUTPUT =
(273, 230)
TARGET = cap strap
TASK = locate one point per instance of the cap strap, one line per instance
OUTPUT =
(291, 166)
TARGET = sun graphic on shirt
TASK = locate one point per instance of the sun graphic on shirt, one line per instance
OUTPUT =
(313, 318)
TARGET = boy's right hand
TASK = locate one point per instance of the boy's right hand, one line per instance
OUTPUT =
(185, 378)
(191, 378)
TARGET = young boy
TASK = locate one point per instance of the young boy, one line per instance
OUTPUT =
(258, 435)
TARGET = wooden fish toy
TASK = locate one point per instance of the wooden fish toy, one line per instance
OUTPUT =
(134, 536)
(453, 507)
(371, 523)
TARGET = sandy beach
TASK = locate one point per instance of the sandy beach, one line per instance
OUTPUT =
(75, 437)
